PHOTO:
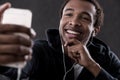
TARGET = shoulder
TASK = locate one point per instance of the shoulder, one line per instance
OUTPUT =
(99, 50)
(97, 45)
(102, 52)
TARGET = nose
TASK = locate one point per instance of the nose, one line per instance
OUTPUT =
(75, 21)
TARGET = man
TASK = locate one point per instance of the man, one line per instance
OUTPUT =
(76, 54)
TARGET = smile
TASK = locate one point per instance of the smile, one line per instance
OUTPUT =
(72, 32)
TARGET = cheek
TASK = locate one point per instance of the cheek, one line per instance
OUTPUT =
(89, 28)
(62, 24)
(88, 31)
(61, 28)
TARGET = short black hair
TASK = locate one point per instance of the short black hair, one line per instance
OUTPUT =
(99, 11)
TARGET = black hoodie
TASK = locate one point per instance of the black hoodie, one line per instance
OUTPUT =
(47, 61)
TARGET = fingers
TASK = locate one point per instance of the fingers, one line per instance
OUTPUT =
(32, 33)
(14, 53)
(5, 59)
(73, 47)
(74, 53)
(17, 50)
(72, 42)
(16, 39)
(10, 28)
(3, 8)
(14, 49)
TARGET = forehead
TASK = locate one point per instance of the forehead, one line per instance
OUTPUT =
(80, 5)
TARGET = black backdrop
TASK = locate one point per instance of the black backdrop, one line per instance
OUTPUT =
(45, 15)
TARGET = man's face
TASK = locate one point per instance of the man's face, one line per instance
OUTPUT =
(77, 21)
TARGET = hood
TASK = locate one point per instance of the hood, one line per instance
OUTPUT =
(53, 39)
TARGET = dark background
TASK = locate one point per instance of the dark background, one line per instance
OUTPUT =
(45, 15)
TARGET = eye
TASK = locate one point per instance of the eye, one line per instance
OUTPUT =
(85, 17)
(68, 14)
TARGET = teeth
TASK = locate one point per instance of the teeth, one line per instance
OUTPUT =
(72, 32)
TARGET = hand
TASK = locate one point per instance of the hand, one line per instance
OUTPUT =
(80, 54)
(14, 48)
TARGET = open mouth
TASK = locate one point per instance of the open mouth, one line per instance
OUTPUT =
(72, 32)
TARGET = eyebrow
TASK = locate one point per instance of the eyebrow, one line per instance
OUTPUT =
(86, 13)
(69, 9)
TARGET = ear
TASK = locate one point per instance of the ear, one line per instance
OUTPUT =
(96, 30)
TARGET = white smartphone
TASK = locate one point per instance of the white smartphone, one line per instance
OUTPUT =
(19, 17)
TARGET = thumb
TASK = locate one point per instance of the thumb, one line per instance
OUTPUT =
(3, 7)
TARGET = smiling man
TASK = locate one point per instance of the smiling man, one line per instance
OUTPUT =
(76, 28)
(73, 52)
(76, 54)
